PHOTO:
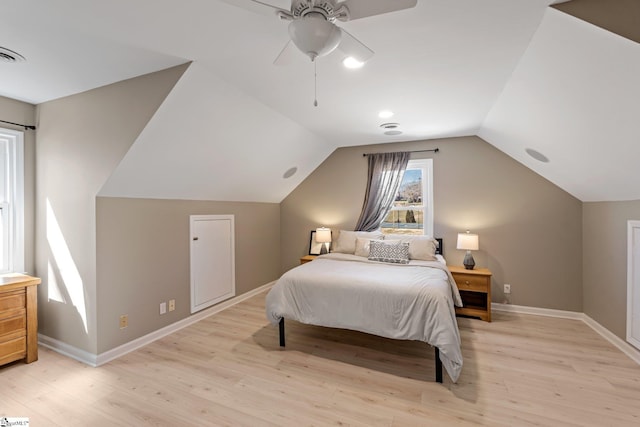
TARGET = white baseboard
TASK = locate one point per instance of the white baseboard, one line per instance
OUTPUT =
(102, 358)
(549, 312)
(67, 350)
(622, 345)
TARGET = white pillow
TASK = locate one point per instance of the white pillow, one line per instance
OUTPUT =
(363, 246)
(346, 241)
(420, 247)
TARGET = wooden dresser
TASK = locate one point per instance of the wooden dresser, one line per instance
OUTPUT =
(18, 318)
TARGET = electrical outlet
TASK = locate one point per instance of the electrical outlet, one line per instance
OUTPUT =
(172, 304)
(124, 321)
(163, 307)
(507, 288)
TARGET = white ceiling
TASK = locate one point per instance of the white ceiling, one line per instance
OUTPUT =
(515, 72)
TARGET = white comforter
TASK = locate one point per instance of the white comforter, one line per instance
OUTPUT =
(412, 302)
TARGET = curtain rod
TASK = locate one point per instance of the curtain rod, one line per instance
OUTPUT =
(435, 150)
(26, 127)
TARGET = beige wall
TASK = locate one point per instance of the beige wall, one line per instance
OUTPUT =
(81, 139)
(530, 230)
(24, 113)
(605, 262)
(143, 259)
(617, 16)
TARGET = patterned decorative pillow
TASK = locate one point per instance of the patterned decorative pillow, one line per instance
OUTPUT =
(397, 253)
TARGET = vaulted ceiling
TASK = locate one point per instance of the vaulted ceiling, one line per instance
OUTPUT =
(518, 73)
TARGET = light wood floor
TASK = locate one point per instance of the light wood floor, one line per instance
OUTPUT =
(229, 370)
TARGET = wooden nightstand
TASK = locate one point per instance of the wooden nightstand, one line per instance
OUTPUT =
(475, 291)
(307, 258)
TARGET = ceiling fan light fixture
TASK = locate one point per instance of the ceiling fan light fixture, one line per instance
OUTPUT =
(314, 35)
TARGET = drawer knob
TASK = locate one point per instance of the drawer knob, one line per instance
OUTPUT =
(466, 282)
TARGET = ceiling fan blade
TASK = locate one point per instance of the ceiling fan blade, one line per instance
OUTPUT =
(351, 46)
(256, 6)
(286, 55)
(363, 8)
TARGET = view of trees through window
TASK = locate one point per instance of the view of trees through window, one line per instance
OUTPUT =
(407, 214)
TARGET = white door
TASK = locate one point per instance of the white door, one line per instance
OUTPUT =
(212, 260)
(633, 283)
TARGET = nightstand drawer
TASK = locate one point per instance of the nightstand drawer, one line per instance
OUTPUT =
(468, 282)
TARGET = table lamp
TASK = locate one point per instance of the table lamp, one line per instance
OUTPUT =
(468, 242)
(323, 236)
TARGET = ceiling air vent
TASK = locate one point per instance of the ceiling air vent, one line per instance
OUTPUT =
(391, 128)
(7, 55)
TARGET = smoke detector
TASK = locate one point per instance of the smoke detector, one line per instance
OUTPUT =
(7, 55)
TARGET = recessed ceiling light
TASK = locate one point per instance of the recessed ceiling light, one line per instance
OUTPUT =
(537, 155)
(393, 132)
(290, 172)
(351, 62)
(385, 114)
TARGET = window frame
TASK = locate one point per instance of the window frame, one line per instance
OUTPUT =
(12, 204)
(426, 165)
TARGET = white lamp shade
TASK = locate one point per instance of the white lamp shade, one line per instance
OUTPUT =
(467, 241)
(323, 235)
(314, 35)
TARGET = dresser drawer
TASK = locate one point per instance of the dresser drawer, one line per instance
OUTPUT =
(14, 349)
(13, 327)
(469, 282)
(12, 300)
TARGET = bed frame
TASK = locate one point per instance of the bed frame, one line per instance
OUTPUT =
(439, 251)
(437, 352)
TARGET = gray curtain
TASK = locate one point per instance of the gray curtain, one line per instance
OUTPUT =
(385, 175)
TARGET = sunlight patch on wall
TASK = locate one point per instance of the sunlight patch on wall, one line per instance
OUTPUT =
(53, 290)
(67, 269)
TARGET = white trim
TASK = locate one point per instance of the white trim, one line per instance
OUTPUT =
(109, 355)
(13, 170)
(633, 301)
(67, 350)
(622, 345)
(549, 312)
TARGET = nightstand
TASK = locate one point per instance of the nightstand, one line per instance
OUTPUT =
(307, 258)
(475, 291)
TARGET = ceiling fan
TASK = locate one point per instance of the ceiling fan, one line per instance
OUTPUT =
(313, 28)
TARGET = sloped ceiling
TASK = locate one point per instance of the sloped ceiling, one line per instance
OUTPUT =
(209, 141)
(518, 73)
(574, 98)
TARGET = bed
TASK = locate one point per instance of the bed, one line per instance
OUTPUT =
(409, 301)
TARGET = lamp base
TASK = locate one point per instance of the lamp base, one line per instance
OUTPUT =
(323, 249)
(468, 262)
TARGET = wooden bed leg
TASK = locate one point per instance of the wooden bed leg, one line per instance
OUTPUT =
(438, 366)
(281, 328)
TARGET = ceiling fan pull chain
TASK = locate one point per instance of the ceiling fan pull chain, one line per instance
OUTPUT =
(315, 83)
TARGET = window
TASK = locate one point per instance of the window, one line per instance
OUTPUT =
(11, 201)
(412, 211)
